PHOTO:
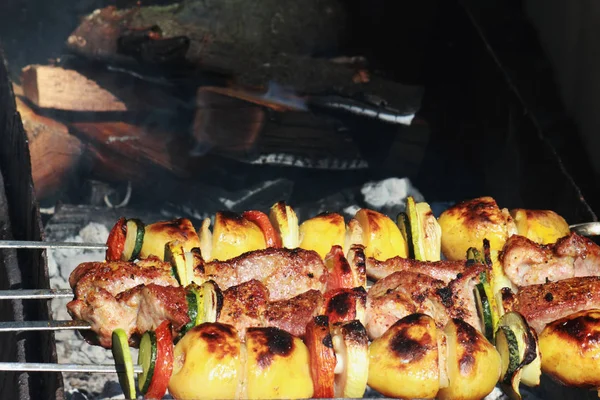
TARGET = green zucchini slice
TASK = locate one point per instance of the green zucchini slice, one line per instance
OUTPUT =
(134, 239)
(507, 346)
(175, 255)
(123, 362)
(147, 359)
(404, 225)
(484, 308)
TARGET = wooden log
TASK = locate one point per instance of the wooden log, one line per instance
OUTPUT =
(55, 153)
(211, 36)
(121, 151)
(92, 90)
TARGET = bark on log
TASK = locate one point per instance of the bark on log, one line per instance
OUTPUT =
(55, 153)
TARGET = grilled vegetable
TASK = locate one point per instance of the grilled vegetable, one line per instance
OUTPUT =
(570, 349)
(234, 235)
(323, 232)
(403, 362)
(351, 346)
(175, 255)
(261, 219)
(484, 308)
(473, 364)
(158, 234)
(354, 234)
(206, 239)
(277, 365)
(191, 297)
(404, 225)
(381, 236)
(517, 341)
(116, 240)
(209, 298)
(344, 305)
(207, 363)
(285, 222)
(156, 357)
(425, 231)
(122, 355)
(339, 274)
(134, 238)
(541, 226)
(467, 223)
(358, 266)
(322, 356)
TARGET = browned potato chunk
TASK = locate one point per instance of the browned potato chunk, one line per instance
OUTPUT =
(234, 235)
(570, 349)
(323, 232)
(278, 365)
(473, 363)
(403, 362)
(157, 235)
(541, 226)
(380, 235)
(206, 363)
(466, 224)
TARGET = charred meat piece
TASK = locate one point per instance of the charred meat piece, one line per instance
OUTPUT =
(442, 270)
(528, 263)
(285, 272)
(542, 304)
(118, 276)
(136, 310)
(294, 314)
(404, 292)
(244, 306)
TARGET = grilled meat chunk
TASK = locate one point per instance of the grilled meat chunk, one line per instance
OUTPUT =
(136, 310)
(442, 270)
(118, 276)
(285, 272)
(528, 263)
(405, 292)
(545, 303)
(244, 306)
(292, 315)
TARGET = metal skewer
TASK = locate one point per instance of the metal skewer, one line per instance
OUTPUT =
(35, 294)
(21, 326)
(50, 367)
(27, 244)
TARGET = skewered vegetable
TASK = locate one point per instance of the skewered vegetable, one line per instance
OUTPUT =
(380, 235)
(541, 226)
(322, 232)
(322, 356)
(234, 235)
(285, 222)
(425, 232)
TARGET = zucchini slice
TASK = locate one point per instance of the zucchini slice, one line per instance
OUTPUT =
(192, 302)
(474, 256)
(123, 362)
(147, 359)
(175, 255)
(484, 308)
(404, 225)
(425, 231)
(508, 347)
(528, 346)
(134, 239)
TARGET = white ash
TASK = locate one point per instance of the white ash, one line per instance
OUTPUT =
(70, 346)
(388, 193)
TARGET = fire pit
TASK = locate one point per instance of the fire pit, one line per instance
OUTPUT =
(151, 111)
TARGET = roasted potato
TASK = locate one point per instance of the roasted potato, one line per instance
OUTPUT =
(160, 233)
(233, 235)
(541, 226)
(207, 363)
(473, 364)
(277, 366)
(570, 349)
(467, 223)
(323, 232)
(380, 235)
(403, 362)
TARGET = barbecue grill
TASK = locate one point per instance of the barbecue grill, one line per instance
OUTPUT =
(500, 164)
